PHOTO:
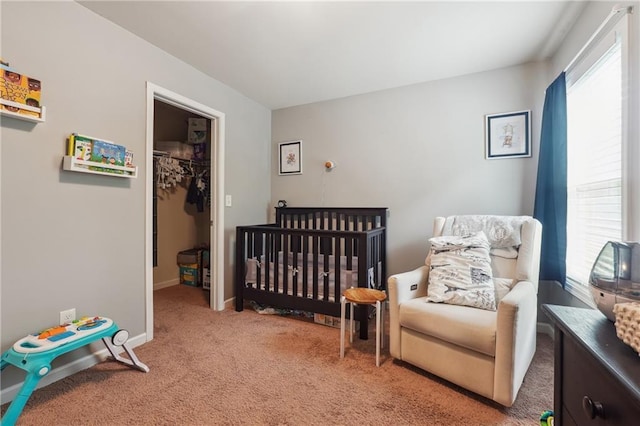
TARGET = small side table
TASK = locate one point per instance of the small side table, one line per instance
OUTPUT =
(362, 296)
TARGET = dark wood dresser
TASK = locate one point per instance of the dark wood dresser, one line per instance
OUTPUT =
(596, 376)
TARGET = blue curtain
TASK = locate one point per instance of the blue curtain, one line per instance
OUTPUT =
(550, 206)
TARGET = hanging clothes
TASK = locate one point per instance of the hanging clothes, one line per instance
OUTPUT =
(169, 172)
(198, 190)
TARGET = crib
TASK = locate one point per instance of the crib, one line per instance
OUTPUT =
(309, 256)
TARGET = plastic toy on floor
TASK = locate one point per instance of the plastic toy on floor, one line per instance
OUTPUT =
(546, 418)
(35, 353)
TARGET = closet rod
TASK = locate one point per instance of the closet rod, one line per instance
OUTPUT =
(196, 163)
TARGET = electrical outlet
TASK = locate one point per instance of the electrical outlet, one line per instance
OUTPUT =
(67, 316)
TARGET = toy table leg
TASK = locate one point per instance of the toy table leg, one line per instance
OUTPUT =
(133, 362)
(18, 403)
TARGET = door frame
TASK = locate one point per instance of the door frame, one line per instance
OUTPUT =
(155, 92)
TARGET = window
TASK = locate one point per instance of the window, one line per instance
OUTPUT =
(595, 144)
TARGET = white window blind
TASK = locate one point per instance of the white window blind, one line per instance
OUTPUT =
(595, 164)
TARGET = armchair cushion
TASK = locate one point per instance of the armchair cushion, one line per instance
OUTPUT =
(460, 271)
(474, 329)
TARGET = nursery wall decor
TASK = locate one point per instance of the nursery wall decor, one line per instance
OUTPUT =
(508, 135)
(290, 158)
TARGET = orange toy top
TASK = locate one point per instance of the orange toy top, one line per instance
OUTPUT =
(52, 332)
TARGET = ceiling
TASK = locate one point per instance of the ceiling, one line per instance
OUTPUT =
(289, 53)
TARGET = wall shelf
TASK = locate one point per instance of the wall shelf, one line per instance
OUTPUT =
(72, 164)
(34, 119)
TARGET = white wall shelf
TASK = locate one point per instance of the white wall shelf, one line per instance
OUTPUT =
(72, 164)
(25, 117)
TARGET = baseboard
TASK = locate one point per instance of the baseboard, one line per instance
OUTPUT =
(88, 361)
(544, 328)
(230, 303)
(164, 284)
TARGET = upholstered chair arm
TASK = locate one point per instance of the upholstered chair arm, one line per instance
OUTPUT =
(528, 265)
(403, 287)
(515, 340)
(408, 285)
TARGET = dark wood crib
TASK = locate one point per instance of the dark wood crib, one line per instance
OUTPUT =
(309, 257)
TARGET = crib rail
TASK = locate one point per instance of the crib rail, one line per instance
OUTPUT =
(332, 218)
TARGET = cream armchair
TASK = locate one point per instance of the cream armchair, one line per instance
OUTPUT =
(486, 352)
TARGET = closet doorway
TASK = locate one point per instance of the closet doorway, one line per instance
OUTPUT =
(181, 194)
(199, 223)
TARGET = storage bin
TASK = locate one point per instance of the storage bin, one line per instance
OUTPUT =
(190, 256)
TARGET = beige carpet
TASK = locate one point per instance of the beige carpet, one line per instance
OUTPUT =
(232, 368)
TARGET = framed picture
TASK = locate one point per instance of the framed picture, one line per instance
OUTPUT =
(290, 158)
(508, 135)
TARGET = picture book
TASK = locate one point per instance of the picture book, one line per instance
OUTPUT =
(82, 147)
(109, 153)
(19, 89)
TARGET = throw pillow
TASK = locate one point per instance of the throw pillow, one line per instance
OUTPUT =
(501, 231)
(460, 271)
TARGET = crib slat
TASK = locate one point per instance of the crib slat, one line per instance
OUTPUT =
(257, 253)
(305, 267)
(316, 272)
(337, 259)
(349, 252)
(326, 243)
(285, 263)
(268, 256)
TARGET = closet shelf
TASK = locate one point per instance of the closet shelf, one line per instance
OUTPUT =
(72, 164)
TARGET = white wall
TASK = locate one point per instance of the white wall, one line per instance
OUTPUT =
(77, 240)
(418, 150)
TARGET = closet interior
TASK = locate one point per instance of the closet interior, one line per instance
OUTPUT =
(181, 197)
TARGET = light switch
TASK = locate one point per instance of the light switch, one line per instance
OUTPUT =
(227, 200)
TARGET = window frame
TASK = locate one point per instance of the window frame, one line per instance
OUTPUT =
(595, 49)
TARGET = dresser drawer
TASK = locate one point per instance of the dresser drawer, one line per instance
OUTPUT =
(567, 420)
(583, 376)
